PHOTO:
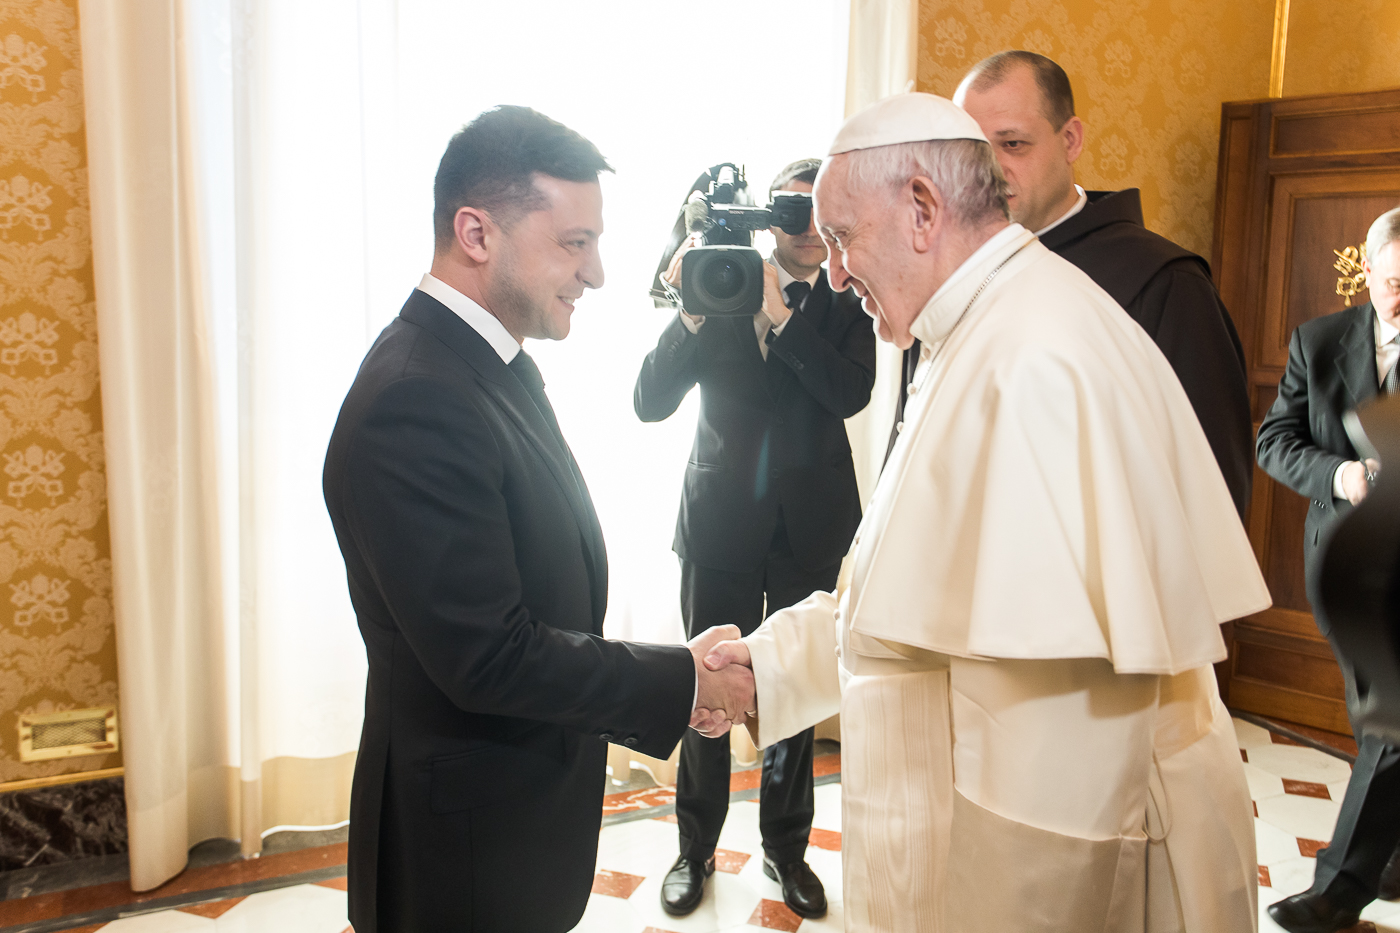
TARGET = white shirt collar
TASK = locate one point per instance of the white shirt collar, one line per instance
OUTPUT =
(1385, 332)
(476, 317)
(786, 278)
(1078, 206)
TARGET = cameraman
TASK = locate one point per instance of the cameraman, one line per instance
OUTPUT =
(768, 510)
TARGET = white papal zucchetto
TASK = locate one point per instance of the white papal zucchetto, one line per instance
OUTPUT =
(905, 118)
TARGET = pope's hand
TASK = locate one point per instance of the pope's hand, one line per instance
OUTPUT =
(730, 657)
(724, 695)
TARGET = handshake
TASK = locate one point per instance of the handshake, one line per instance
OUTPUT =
(724, 674)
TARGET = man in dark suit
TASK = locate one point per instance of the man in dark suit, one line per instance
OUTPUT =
(1337, 363)
(767, 512)
(1025, 106)
(477, 569)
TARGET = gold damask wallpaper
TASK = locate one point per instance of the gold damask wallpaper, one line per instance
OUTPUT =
(1149, 77)
(1340, 48)
(57, 649)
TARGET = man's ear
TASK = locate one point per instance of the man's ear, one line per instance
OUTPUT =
(473, 229)
(1073, 135)
(926, 202)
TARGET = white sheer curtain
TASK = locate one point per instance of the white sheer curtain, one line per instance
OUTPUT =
(262, 190)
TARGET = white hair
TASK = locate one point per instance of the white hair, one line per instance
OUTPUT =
(1383, 232)
(965, 172)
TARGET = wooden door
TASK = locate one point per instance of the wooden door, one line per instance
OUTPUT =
(1299, 178)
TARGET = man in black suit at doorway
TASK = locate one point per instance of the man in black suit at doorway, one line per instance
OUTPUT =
(477, 568)
(1025, 105)
(767, 512)
(1337, 363)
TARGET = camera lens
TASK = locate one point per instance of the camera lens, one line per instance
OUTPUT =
(724, 279)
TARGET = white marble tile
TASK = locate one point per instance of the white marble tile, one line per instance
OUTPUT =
(828, 807)
(165, 921)
(1381, 910)
(641, 847)
(1338, 790)
(1306, 817)
(609, 915)
(728, 902)
(303, 908)
(1262, 784)
(1251, 736)
(1289, 877)
(740, 831)
(1300, 764)
(1273, 844)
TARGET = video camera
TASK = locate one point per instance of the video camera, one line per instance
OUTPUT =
(725, 276)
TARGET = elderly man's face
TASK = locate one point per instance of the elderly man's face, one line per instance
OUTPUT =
(867, 252)
(1383, 278)
(1036, 158)
(547, 258)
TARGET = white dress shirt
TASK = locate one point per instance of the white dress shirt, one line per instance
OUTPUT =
(1078, 206)
(477, 318)
(761, 324)
(1387, 354)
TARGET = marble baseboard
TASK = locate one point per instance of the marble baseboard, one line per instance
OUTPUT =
(49, 825)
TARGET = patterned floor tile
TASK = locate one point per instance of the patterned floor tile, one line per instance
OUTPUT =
(303, 908)
(1308, 817)
(213, 910)
(1300, 764)
(730, 861)
(616, 883)
(825, 839)
(1306, 789)
(165, 921)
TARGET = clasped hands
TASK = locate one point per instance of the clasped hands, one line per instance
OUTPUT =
(724, 675)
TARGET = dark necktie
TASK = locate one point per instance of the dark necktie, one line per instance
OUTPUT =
(529, 375)
(1392, 378)
(797, 293)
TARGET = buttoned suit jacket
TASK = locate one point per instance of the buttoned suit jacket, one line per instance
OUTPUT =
(770, 434)
(1302, 440)
(478, 574)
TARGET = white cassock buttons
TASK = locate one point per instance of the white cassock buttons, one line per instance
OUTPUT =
(898, 428)
(913, 389)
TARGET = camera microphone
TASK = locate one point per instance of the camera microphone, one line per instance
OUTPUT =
(697, 216)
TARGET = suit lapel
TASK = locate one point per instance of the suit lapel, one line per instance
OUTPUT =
(1357, 362)
(514, 399)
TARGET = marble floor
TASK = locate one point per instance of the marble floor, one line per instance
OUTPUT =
(1296, 790)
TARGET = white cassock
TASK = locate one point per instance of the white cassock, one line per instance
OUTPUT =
(1032, 738)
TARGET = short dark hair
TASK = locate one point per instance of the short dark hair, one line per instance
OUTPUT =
(801, 170)
(1056, 96)
(491, 162)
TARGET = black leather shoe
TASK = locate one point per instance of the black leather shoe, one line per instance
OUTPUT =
(1312, 913)
(1390, 879)
(802, 889)
(684, 885)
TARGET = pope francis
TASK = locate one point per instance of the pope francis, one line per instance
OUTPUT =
(1032, 739)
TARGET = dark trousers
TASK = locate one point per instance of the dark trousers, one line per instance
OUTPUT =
(718, 597)
(1368, 824)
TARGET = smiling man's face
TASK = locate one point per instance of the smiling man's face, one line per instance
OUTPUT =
(547, 258)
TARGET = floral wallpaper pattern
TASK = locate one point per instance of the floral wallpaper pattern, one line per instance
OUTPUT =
(57, 649)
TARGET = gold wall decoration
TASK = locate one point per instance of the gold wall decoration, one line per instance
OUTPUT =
(1353, 275)
(57, 650)
(1149, 77)
(1342, 48)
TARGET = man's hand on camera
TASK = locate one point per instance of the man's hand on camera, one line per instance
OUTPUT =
(773, 306)
(673, 273)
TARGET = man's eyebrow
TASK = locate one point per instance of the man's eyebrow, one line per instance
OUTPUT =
(581, 231)
(1012, 131)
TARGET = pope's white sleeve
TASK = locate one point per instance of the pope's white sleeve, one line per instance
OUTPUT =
(795, 668)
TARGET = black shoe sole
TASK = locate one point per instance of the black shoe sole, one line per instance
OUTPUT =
(772, 874)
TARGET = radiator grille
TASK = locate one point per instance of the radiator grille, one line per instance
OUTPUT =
(67, 734)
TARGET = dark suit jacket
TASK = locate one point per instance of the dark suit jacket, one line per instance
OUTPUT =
(1331, 368)
(770, 434)
(1168, 291)
(477, 571)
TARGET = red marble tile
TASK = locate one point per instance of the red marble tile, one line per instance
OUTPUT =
(1306, 789)
(647, 797)
(730, 861)
(775, 915)
(1244, 756)
(213, 910)
(1264, 881)
(118, 893)
(745, 780)
(616, 883)
(668, 818)
(825, 839)
(340, 884)
(823, 765)
(1309, 847)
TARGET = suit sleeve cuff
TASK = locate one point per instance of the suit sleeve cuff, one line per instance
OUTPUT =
(692, 324)
(1338, 489)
